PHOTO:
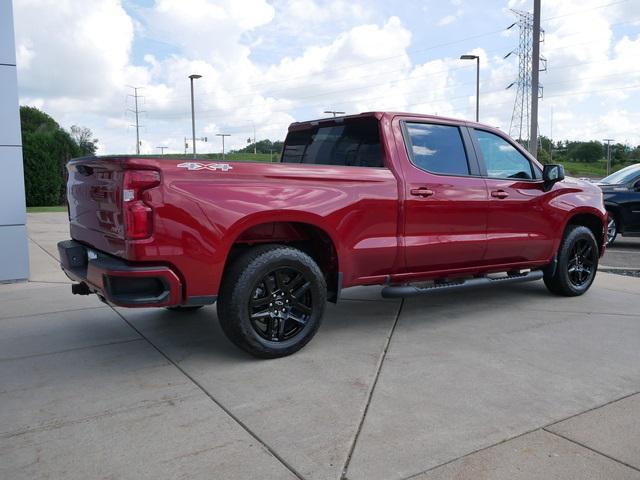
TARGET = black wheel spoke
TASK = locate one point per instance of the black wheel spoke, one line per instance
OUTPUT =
(279, 279)
(261, 315)
(302, 307)
(295, 282)
(272, 328)
(281, 325)
(260, 302)
(297, 319)
(300, 291)
(270, 284)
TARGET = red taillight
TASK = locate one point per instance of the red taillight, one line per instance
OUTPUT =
(138, 215)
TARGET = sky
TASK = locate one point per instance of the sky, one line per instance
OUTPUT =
(267, 63)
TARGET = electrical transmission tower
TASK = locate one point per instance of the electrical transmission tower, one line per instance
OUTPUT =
(136, 112)
(520, 124)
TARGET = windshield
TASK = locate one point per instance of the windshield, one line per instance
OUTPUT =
(623, 176)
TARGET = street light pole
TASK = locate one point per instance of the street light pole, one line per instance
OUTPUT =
(477, 59)
(193, 116)
(162, 149)
(223, 135)
(335, 112)
(608, 140)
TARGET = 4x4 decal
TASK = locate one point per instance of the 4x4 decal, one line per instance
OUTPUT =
(225, 167)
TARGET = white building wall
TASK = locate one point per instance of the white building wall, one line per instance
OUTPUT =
(14, 257)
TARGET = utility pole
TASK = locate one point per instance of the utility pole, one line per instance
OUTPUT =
(223, 135)
(193, 116)
(162, 149)
(136, 112)
(551, 149)
(255, 150)
(608, 140)
(335, 112)
(535, 76)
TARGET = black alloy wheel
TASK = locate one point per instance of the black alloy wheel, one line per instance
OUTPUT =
(281, 304)
(582, 261)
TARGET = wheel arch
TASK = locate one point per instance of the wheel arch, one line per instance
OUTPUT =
(593, 220)
(303, 231)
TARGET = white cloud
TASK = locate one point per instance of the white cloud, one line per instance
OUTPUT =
(446, 20)
(268, 63)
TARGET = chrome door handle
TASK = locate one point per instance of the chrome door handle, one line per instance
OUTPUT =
(421, 192)
(499, 194)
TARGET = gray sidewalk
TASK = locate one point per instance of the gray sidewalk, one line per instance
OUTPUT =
(511, 383)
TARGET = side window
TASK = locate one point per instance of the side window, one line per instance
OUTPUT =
(354, 143)
(437, 148)
(502, 159)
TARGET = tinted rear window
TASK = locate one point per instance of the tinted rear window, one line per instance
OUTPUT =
(354, 143)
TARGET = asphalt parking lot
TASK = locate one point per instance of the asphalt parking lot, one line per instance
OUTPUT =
(623, 257)
(509, 383)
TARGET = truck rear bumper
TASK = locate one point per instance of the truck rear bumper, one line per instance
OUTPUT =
(118, 282)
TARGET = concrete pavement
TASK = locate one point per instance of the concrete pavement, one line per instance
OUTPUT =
(504, 383)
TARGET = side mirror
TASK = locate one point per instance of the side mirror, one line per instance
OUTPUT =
(636, 187)
(552, 174)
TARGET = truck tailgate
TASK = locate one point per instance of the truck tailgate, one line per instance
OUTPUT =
(94, 191)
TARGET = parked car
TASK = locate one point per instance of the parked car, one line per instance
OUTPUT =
(622, 200)
(416, 203)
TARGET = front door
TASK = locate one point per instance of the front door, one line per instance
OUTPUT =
(445, 198)
(518, 230)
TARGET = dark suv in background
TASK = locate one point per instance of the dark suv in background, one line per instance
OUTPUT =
(622, 200)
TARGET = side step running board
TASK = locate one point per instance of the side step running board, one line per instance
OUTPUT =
(401, 291)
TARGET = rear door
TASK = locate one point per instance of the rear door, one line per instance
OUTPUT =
(517, 228)
(445, 197)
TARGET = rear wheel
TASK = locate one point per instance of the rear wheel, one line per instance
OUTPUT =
(577, 263)
(272, 301)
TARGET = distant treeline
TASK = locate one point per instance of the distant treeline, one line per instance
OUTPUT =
(589, 151)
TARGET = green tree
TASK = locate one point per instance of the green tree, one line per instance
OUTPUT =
(84, 139)
(585, 151)
(46, 149)
(262, 146)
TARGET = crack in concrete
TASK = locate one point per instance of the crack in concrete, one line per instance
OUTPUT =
(383, 356)
(55, 424)
(76, 349)
(543, 428)
(244, 426)
(590, 449)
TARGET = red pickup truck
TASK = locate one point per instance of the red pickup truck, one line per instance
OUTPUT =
(417, 203)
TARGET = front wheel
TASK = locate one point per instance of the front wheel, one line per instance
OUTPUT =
(577, 263)
(272, 301)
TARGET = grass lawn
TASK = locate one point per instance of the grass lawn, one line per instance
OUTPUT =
(592, 170)
(62, 208)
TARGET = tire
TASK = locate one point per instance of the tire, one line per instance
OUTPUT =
(265, 328)
(612, 229)
(577, 263)
(185, 308)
